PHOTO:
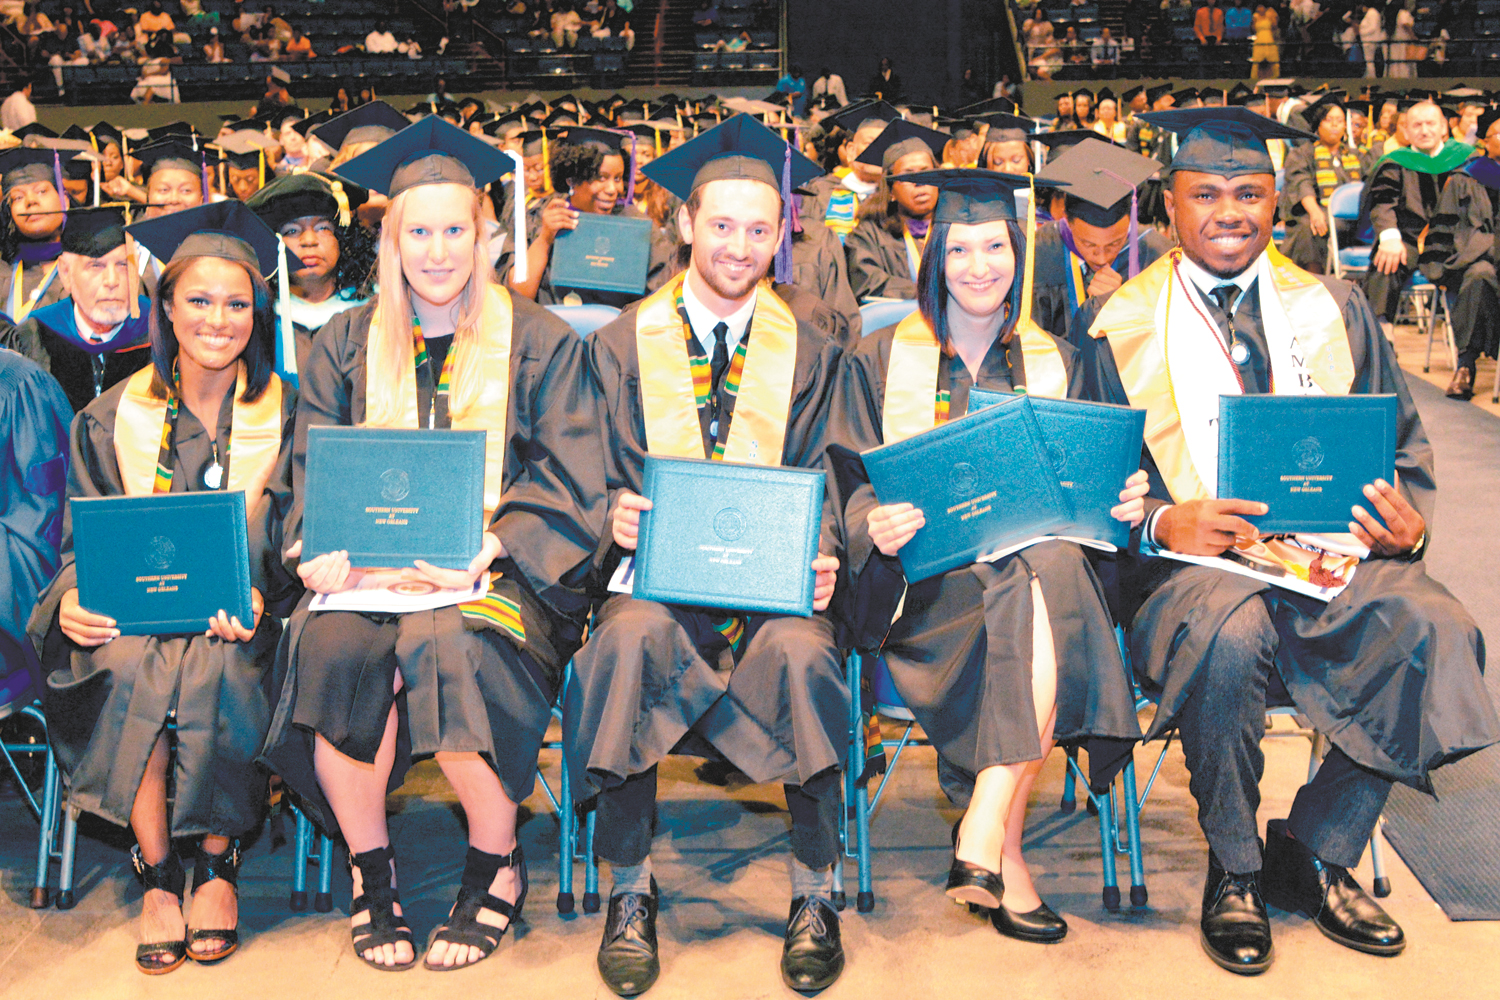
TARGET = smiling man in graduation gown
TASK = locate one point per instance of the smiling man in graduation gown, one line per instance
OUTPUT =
(1389, 669)
(89, 340)
(766, 692)
(1087, 252)
(1460, 254)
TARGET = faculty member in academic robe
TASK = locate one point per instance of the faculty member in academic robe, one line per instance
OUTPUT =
(1388, 669)
(364, 695)
(209, 413)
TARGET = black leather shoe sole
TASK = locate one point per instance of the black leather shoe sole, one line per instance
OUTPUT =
(1238, 968)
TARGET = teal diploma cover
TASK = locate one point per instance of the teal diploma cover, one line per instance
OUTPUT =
(610, 253)
(163, 564)
(1307, 458)
(982, 481)
(1094, 448)
(729, 536)
(389, 497)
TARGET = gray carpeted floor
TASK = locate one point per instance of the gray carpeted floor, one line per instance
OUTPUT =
(1452, 843)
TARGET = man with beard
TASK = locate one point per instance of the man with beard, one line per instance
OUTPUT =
(1388, 668)
(89, 340)
(766, 692)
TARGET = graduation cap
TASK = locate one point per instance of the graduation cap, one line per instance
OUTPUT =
(1223, 141)
(608, 141)
(35, 128)
(1103, 183)
(740, 149)
(430, 152)
(1002, 105)
(278, 117)
(171, 129)
(900, 138)
(171, 154)
(296, 196)
(93, 232)
(1280, 87)
(1185, 96)
(76, 132)
(1083, 92)
(247, 125)
(1239, 95)
(1130, 94)
(560, 119)
(312, 121)
(245, 151)
(1210, 95)
(1009, 128)
(1105, 94)
(1318, 110)
(959, 128)
(104, 132)
(867, 113)
(30, 164)
(225, 229)
(1156, 93)
(419, 110)
(969, 197)
(373, 122)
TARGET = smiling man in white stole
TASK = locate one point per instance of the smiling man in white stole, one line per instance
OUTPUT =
(1390, 669)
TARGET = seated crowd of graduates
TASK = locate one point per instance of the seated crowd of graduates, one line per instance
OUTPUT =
(379, 285)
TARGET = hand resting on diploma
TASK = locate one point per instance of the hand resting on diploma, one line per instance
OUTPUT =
(84, 628)
(1132, 506)
(330, 573)
(1403, 529)
(229, 628)
(1207, 527)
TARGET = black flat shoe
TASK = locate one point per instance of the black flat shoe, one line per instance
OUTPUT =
(157, 958)
(206, 868)
(1297, 881)
(812, 956)
(1236, 933)
(627, 960)
(1041, 925)
(463, 926)
(377, 896)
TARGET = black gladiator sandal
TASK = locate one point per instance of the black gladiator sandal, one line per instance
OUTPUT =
(160, 957)
(463, 927)
(384, 927)
(206, 868)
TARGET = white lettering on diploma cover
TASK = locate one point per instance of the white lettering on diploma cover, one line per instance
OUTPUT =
(165, 583)
(726, 555)
(974, 510)
(393, 515)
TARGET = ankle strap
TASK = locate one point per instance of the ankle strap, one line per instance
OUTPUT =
(480, 867)
(167, 876)
(374, 864)
(208, 867)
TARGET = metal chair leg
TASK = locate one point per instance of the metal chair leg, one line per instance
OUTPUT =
(301, 848)
(1382, 886)
(65, 899)
(567, 839)
(590, 866)
(1138, 895)
(323, 901)
(46, 846)
(1069, 793)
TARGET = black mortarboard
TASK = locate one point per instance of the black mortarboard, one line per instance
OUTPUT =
(1105, 94)
(560, 118)
(1009, 128)
(224, 229)
(29, 164)
(857, 116)
(970, 197)
(1223, 141)
(1103, 182)
(959, 128)
(278, 116)
(610, 142)
(75, 132)
(1058, 141)
(171, 130)
(243, 149)
(373, 122)
(312, 121)
(1363, 106)
(1184, 96)
(898, 139)
(993, 105)
(105, 132)
(1210, 95)
(531, 142)
(297, 195)
(1239, 95)
(1132, 93)
(247, 125)
(1156, 93)
(1315, 112)
(1084, 92)
(172, 154)
(93, 232)
(430, 152)
(1275, 88)
(35, 128)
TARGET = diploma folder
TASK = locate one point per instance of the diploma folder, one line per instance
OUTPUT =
(389, 497)
(1094, 448)
(163, 564)
(983, 482)
(1307, 458)
(608, 253)
(729, 536)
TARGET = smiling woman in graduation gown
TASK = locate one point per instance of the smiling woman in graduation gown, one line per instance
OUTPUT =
(109, 697)
(362, 696)
(961, 646)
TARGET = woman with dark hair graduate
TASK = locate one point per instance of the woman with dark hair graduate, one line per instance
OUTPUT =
(209, 413)
(363, 695)
(998, 661)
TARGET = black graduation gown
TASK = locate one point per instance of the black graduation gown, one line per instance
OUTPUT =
(458, 696)
(642, 683)
(657, 271)
(1460, 255)
(49, 336)
(1390, 670)
(1051, 307)
(107, 705)
(960, 652)
(32, 274)
(1300, 179)
(1397, 198)
(878, 263)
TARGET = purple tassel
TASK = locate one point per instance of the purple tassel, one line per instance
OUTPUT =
(62, 192)
(784, 252)
(1134, 266)
(796, 214)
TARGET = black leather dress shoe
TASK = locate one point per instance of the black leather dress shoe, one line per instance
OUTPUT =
(627, 956)
(1297, 881)
(812, 956)
(1236, 931)
(1041, 925)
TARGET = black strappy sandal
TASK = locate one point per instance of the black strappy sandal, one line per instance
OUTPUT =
(206, 868)
(464, 927)
(384, 927)
(160, 957)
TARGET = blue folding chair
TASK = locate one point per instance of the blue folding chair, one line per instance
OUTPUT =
(883, 313)
(1343, 206)
(585, 319)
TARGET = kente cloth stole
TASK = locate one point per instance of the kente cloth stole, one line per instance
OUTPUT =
(1154, 330)
(146, 423)
(843, 206)
(491, 353)
(1327, 178)
(675, 383)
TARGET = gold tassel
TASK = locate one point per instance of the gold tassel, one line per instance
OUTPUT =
(133, 277)
(342, 200)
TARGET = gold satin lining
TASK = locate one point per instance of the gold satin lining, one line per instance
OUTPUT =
(489, 412)
(254, 436)
(1128, 319)
(757, 428)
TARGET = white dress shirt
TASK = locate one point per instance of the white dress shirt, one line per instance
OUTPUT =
(703, 320)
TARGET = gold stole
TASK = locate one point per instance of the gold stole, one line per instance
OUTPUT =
(1128, 319)
(488, 414)
(254, 436)
(757, 428)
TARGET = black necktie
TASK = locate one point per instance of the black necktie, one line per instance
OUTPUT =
(719, 364)
(1222, 306)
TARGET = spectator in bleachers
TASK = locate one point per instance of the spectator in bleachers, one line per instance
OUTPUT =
(263, 43)
(34, 27)
(410, 47)
(1046, 55)
(566, 24)
(1404, 46)
(734, 43)
(1265, 53)
(213, 50)
(342, 100)
(886, 82)
(300, 46)
(155, 83)
(707, 15)
(380, 40)
(276, 95)
(160, 47)
(830, 83)
(57, 61)
(92, 46)
(149, 23)
(1371, 29)
(1104, 50)
(792, 82)
(1239, 28)
(1208, 28)
(619, 23)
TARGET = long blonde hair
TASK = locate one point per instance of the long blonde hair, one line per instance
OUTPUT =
(389, 348)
